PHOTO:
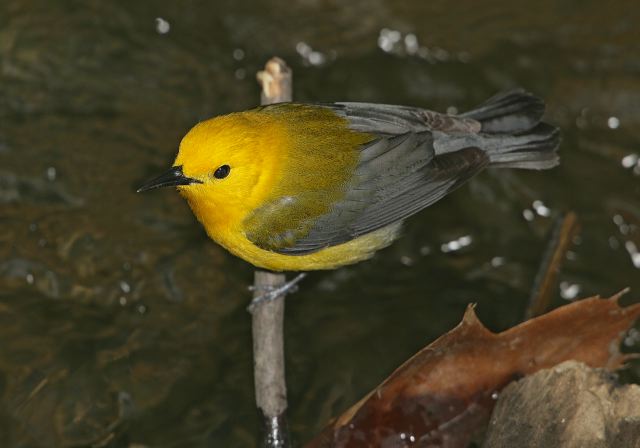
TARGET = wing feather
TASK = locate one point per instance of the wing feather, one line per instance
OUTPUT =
(398, 174)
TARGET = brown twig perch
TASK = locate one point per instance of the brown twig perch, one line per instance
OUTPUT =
(268, 316)
(564, 230)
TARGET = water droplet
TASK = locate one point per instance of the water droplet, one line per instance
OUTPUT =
(452, 110)
(569, 291)
(125, 287)
(316, 58)
(303, 49)
(494, 396)
(630, 160)
(51, 174)
(30, 278)
(497, 261)
(456, 244)
(614, 243)
(162, 26)
(411, 43)
(406, 260)
(528, 214)
(238, 54)
(141, 309)
(613, 122)
(633, 252)
(618, 220)
(632, 338)
(309, 55)
(387, 39)
(541, 209)
(122, 300)
(465, 240)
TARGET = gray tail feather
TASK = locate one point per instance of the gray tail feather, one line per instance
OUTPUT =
(513, 134)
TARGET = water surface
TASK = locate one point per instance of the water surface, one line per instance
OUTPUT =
(121, 324)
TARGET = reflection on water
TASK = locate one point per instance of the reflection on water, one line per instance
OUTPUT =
(121, 324)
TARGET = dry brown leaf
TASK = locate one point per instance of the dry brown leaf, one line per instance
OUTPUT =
(445, 393)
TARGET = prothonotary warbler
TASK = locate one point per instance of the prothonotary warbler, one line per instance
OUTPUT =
(297, 187)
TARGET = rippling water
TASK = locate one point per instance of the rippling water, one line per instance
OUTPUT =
(121, 324)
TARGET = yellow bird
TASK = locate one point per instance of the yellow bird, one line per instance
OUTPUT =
(297, 187)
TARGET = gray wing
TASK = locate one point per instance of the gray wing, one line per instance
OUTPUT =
(398, 174)
(394, 120)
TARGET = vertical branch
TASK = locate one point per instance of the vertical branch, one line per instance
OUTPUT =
(565, 229)
(268, 316)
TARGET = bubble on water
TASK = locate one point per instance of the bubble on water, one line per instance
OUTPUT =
(309, 55)
(406, 260)
(240, 73)
(238, 54)
(456, 244)
(125, 287)
(452, 110)
(162, 26)
(30, 278)
(122, 300)
(528, 214)
(614, 243)
(303, 48)
(497, 261)
(51, 173)
(632, 249)
(387, 39)
(632, 338)
(541, 209)
(618, 220)
(494, 396)
(630, 160)
(613, 122)
(316, 58)
(465, 240)
(569, 291)
(141, 309)
(411, 43)
(425, 250)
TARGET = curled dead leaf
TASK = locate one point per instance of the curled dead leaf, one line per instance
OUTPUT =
(445, 393)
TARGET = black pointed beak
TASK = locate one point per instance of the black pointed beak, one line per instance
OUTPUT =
(171, 178)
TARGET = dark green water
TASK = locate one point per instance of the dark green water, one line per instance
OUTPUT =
(121, 324)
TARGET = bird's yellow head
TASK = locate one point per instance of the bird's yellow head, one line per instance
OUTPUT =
(222, 168)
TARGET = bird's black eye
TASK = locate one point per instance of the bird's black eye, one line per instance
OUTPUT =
(222, 172)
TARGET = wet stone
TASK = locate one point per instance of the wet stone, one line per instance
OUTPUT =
(570, 405)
